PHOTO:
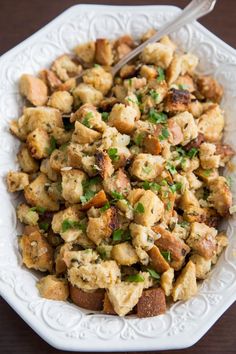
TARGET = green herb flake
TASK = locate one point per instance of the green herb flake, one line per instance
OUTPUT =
(164, 134)
(96, 65)
(229, 181)
(157, 117)
(87, 196)
(147, 169)
(86, 119)
(192, 153)
(44, 225)
(151, 185)
(105, 116)
(176, 187)
(137, 278)
(183, 87)
(166, 255)
(91, 182)
(171, 168)
(184, 224)
(139, 208)
(105, 207)
(38, 209)
(130, 82)
(102, 252)
(138, 139)
(53, 145)
(117, 235)
(153, 273)
(161, 74)
(117, 196)
(113, 154)
(71, 224)
(168, 206)
(207, 173)
(155, 95)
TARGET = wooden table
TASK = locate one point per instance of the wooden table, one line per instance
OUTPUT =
(18, 20)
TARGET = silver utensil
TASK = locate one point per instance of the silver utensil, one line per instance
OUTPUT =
(194, 10)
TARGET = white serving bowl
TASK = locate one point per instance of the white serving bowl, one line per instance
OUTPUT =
(62, 324)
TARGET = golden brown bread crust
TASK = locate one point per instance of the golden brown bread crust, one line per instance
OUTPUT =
(97, 201)
(107, 306)
(103, 52)
(210, 88)
(177, 101)
(152, 303)
(158, 261)
(88, 300)
(104, 164)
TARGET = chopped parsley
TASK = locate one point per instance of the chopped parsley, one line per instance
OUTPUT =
(96, 65)
(86, 119)
(164, 134)
(137, 278)
(91, 182)
(153, 273)
(105, 116)
(113, 154)
(161, 74)
(117, 196)
(39, 209)
(87, 196)
(147, 169)
(117, 235)
(166, 255)
(171, 168)
(207, 173)
(151, 185)
(228, 181)
(155, 95)
(138, 139)
(53, 145)
(184, 224)
(168, 206)
(183, 87)
(71, 224)
(44, 225)
(176, 187)
(192, 153)
(139, 208)
(157, 117)
(105, 207)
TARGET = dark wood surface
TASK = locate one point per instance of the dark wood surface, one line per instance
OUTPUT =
(18, 20)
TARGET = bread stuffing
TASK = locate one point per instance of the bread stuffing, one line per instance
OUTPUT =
(121, 177)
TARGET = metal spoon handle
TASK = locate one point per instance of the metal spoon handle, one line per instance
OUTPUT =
(194, 10)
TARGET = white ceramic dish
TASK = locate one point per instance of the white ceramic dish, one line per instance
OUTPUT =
(64, 325)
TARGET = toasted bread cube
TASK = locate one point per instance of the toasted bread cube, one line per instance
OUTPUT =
(188, 126)
(104, 164)
(122, 117)
(58, 160)
(158, 54)
(168, 242)
(36, 252)
(148, 71)
(212, 131)
(124, 296)
(124, 254)
(158, 261)
(97, 201)
(72, 188)
(50, 79)
(103, 52)
(16, 130)
(36, 195)
(220, 196)
(38, 143)
(65, 68)
(177, 101)
(202, 239)
(207, 156)
(87, 300)
(203, 266)
(17, 181)
(61, 135)
(46, 168)
(222, 241)
(210, 88)
(100, 79)
(146, 167)
(26, 215)
(61, 100)
(107, 306)
(118, 182)
(151, 303)
(101, 227)
(186, 285)
(88, 114)
(84, 135)
(134, 195)
(175, 133)
(186, 82)
(70, 214)
(127, 71)
(191, 207)
(26, 161)
(86, 52)
(142, 237)
(87, 94)
(51, 287)
(46, 118)
(151, 211)
(93, 276)
(167, 279)
(75, 154)
(33, 89)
